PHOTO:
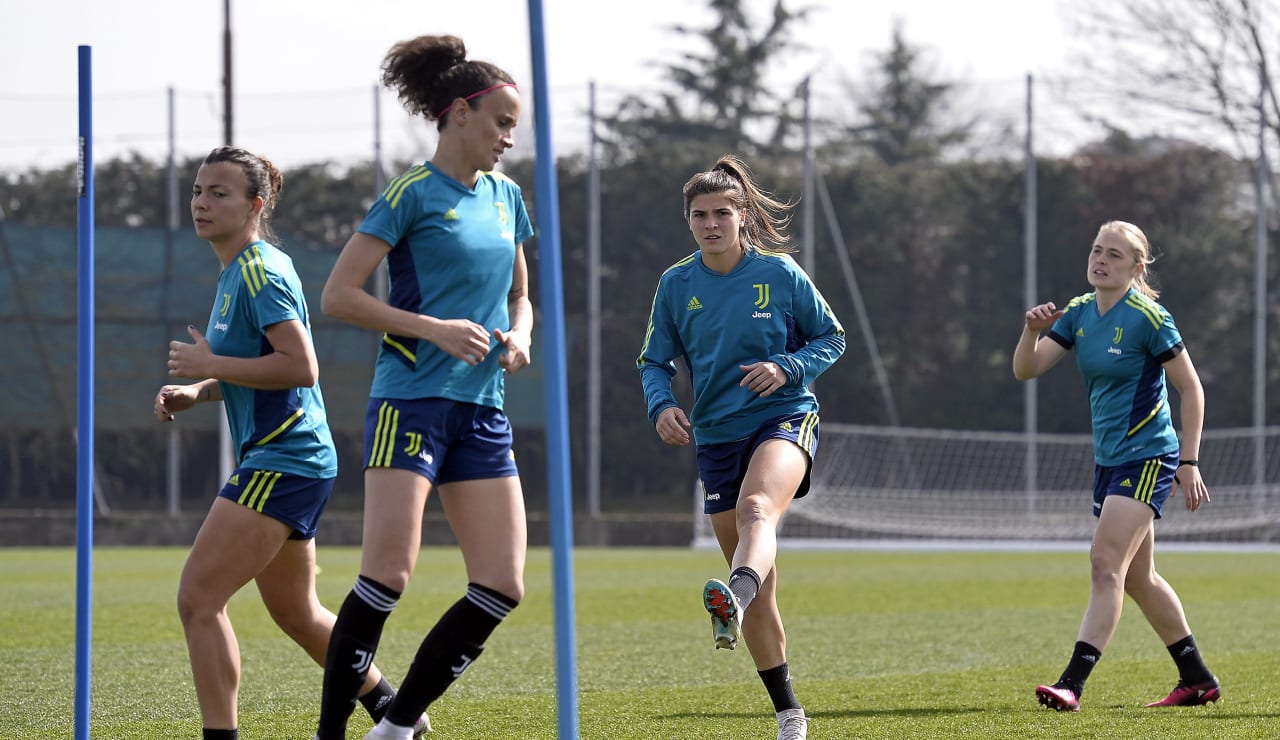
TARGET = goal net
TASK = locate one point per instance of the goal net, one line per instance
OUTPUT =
(952, 487)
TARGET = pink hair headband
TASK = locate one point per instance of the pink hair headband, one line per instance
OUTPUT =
(489, 89)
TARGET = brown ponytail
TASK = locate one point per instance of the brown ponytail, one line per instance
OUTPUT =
(763, 216)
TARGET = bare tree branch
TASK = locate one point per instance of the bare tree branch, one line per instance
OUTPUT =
(1184, 63)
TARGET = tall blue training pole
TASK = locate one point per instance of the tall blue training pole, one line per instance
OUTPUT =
(84, 396)
(555, 391)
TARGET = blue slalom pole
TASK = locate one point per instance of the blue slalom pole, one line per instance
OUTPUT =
(555, 391)
(84, 396)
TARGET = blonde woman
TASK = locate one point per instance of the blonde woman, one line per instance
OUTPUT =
(1127, 347)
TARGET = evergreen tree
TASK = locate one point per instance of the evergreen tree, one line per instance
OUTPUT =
(720, 100)
(901, 109)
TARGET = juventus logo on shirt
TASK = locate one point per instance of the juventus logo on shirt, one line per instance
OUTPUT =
(762, 295)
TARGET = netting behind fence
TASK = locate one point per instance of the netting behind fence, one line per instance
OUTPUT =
(922, 484)
(149, 287)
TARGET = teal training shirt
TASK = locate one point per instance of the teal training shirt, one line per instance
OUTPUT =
(765, 309)
(281, 430)
(453, 252)
(1121, 356)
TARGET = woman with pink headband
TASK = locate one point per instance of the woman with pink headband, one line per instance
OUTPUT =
(458, 319)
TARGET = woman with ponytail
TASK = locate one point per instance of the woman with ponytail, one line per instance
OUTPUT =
(458, 318)
(754, 333)
(1127, 346)
(256, 357)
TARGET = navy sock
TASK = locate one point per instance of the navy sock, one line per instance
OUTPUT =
(351, 647)
(745, 584)
(777, 681)
(1083, 660)
(451, 646)
(1191, 667)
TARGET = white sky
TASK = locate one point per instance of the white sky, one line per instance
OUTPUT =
(305, 70)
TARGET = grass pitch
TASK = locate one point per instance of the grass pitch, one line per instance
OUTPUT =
(881, 645)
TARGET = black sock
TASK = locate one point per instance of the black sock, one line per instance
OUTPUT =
(378, 699)
(777, 681)
(449, 648)
(220, 734)
(351, 647)
(745, 584)
(1191, 667)
(1083, 659)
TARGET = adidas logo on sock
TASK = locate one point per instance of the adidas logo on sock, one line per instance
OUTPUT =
(1186, 651)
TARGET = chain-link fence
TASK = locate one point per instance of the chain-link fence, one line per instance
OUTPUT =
(152, 283)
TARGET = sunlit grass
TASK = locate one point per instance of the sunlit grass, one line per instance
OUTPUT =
(881, 645)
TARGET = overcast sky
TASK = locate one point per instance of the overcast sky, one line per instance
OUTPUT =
(305, 71)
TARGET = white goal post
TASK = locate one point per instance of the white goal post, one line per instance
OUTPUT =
(958, 488)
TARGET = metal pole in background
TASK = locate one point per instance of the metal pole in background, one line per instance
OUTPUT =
(381, 280)
(1030, 409)
(227, 111)
(559, 480)
(225, 458)
(808, 245)
(1260, 305)
(809, 240)
(173, 448)
(85, 400)
(593, 312)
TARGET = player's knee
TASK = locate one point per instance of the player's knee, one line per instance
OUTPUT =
(1105, 568)
(295, 620)
(398, 581)
(194, 605)
(1139, 584)
(509, 584)
(395, 578)
(754, 509)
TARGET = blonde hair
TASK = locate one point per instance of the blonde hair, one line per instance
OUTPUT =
(1142, 253)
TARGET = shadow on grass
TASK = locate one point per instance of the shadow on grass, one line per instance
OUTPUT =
(1213, 712)
(830, 714)
(1224, 714)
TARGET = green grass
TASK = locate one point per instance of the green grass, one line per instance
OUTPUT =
(882, 645)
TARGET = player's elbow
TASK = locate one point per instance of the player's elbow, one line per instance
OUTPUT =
(303, 372)
(309, 377)
(335, 301)
(329, 300)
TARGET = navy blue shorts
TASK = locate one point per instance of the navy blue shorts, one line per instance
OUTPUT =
(291, 499)
(722, 467)
(1149, 481)
(442, 440)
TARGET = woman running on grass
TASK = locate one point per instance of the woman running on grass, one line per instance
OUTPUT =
(257, 358)
(458, 319)
(1126, 346)
(754, 332)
